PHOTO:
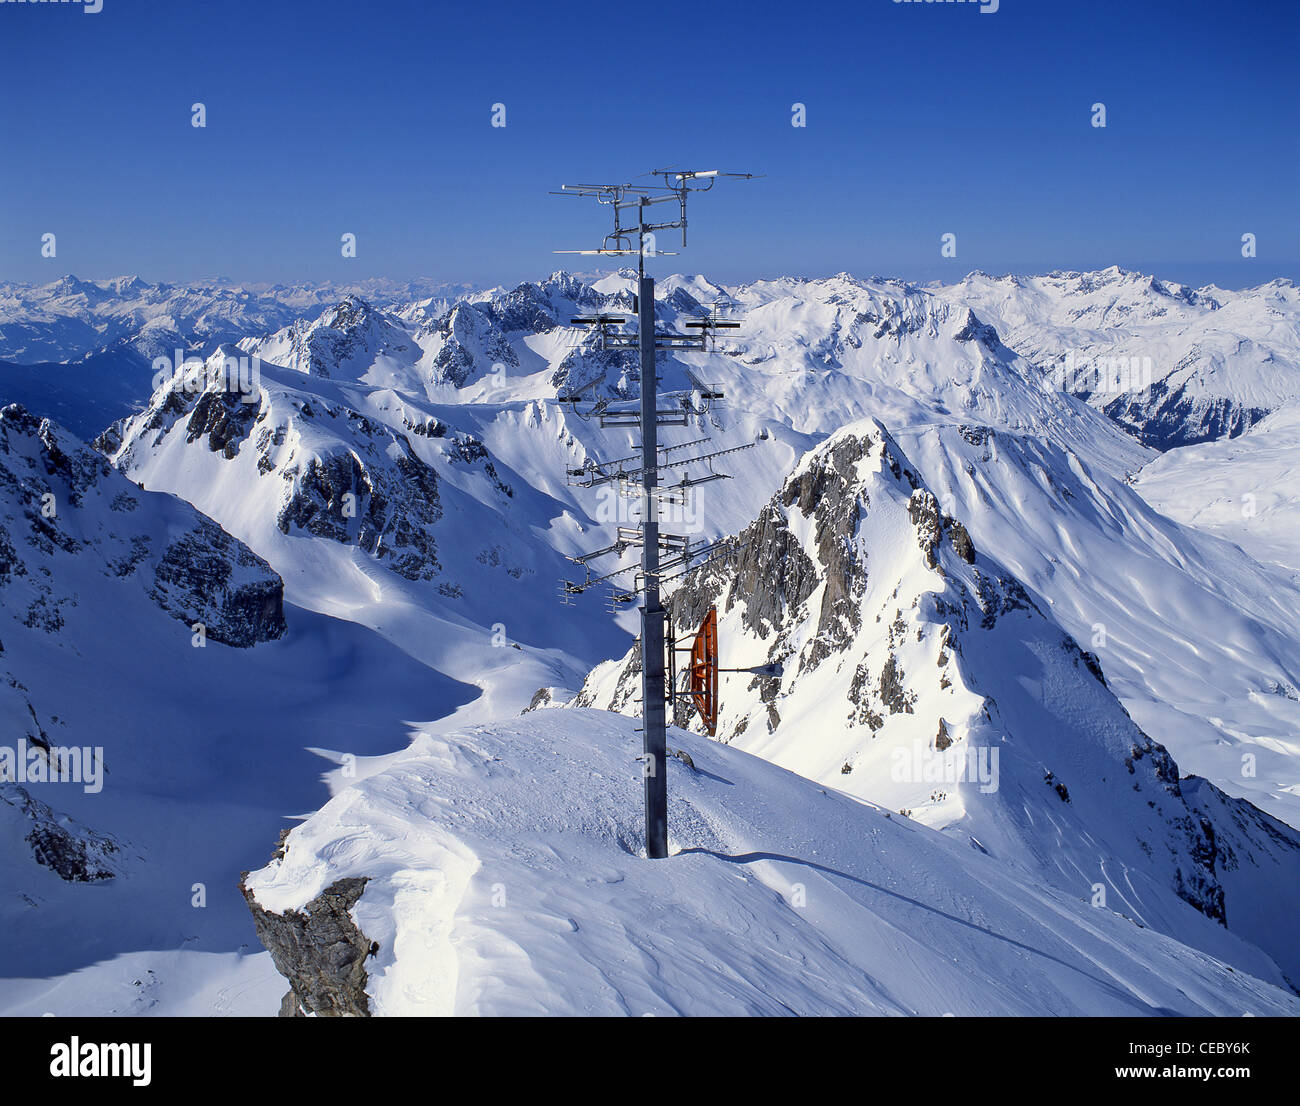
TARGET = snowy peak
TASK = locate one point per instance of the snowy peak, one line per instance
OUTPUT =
(343, 343)
(70, 318)
(919, 674)
(464, 345)
(537, 308)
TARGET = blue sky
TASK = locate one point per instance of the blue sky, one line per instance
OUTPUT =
(374, 119)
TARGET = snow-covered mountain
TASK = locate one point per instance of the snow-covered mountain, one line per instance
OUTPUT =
(69, 318)
(909, 483)
(375, 508)
(1171, 364)
(1040, 478)
(922, 676)
(82, 352)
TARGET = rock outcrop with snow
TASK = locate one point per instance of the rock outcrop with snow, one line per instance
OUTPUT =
(918, 673)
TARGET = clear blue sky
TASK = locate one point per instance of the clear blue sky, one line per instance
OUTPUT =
(374, 118)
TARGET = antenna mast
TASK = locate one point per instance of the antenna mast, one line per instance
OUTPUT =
(633, 233)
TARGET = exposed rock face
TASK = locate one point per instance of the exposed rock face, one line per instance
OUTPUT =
(60, 498)
(470, 346)
(972, 330)
(199, 572)
(542, 697)
(70, 850)
(319, 950)
(769, 575)
(619, 368)
(339, 474)
(536, 307)
(1166, 417)
(223, 417)
(388, 514)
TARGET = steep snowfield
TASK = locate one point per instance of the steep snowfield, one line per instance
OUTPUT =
(1197, 638)
(207, 753)
(1246, 490)
(375, 509)
(1219, 360)
(200, 752)
(503, 878)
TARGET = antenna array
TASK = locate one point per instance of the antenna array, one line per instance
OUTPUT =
(662, 554)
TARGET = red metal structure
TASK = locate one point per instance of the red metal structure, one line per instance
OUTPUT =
(704, 672)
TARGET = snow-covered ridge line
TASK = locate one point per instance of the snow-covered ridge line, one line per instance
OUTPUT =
(494, 871)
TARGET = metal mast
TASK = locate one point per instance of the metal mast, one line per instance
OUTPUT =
(626, 199)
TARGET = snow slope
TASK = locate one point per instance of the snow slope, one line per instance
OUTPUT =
(1198, 639)
(201, 752)
(1246, 490)
(919, 674)
(503, 879)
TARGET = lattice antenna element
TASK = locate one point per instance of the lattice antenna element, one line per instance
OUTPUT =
(626, 199)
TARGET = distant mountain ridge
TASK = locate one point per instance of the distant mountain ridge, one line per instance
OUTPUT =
(1206, 362)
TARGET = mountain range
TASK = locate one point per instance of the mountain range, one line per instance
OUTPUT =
(1023, 548)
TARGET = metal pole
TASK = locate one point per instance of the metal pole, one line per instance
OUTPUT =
(655, 735)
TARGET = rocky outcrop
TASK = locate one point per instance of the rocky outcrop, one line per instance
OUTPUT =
(1166, 417)
(58, 497)
(320, 950)
(902, 633)
(469, 346)
(388, 511)
(198, 579)
(222, 417)
(73, 852)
